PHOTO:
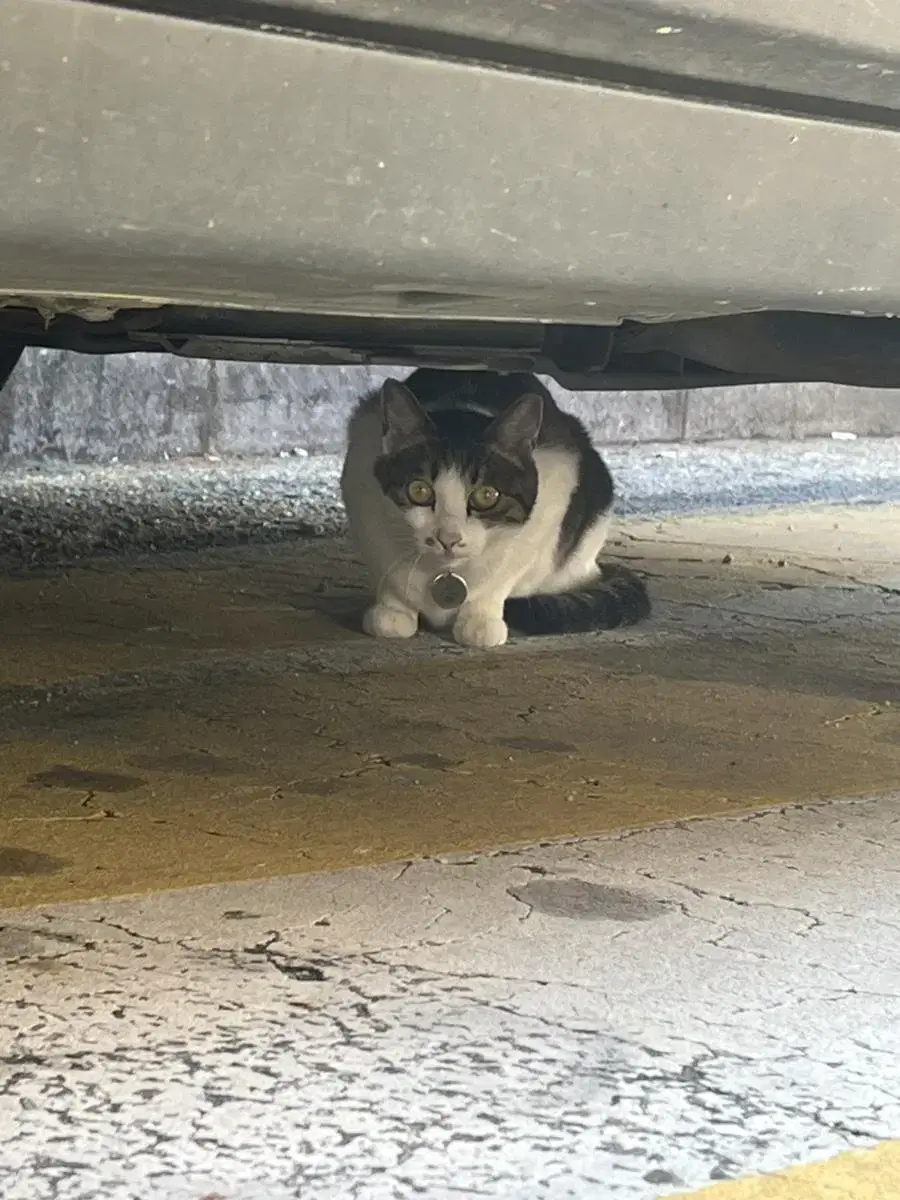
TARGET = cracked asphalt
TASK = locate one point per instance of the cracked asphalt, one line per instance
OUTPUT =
(632, 1016)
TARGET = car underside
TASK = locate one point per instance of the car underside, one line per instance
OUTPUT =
(716, 351)
(623, 195)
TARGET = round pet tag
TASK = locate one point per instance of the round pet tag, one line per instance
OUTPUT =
(448, 590)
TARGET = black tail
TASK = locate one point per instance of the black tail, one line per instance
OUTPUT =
(619, 597)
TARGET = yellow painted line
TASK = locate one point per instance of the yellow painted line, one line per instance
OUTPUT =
(860, 1175)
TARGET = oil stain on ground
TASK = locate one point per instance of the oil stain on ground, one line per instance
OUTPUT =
(75, 779)
(16, 862)
(580, 900)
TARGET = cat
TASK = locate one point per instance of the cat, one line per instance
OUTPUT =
(482, 474)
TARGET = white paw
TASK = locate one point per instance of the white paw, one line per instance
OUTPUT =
(382, 621)
(477, 629)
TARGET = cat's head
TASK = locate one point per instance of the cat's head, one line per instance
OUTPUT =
(458, 476)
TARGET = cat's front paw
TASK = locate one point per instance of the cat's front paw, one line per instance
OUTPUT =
(479, 629)
(386, 622)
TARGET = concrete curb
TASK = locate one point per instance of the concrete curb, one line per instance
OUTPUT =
(134, 408)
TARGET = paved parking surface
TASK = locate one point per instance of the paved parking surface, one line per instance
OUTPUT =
(594, 917)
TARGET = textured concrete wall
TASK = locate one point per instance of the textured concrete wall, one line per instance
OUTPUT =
(143, 407)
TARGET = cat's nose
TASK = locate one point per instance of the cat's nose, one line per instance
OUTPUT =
(450, 540)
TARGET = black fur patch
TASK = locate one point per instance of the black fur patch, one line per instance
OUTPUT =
(395, 472)
(456, 440)
(619, 598)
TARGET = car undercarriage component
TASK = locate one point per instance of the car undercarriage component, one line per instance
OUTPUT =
(715, 351)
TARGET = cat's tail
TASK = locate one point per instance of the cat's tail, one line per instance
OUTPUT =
(619, 597)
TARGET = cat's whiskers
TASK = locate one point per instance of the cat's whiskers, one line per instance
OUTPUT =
(416, 557)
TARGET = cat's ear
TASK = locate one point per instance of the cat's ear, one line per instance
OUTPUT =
(403, 420)
(516, 430)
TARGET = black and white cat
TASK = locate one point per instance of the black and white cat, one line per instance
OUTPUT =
(484, 475)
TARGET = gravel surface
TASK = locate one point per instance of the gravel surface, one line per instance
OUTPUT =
(54, 516)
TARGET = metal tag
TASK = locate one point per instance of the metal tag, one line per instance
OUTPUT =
(448, 590)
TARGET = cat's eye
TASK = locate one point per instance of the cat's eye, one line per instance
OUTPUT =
(420, 492)
(483, 497)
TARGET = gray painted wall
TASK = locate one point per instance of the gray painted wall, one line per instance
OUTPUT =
(143, 407)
